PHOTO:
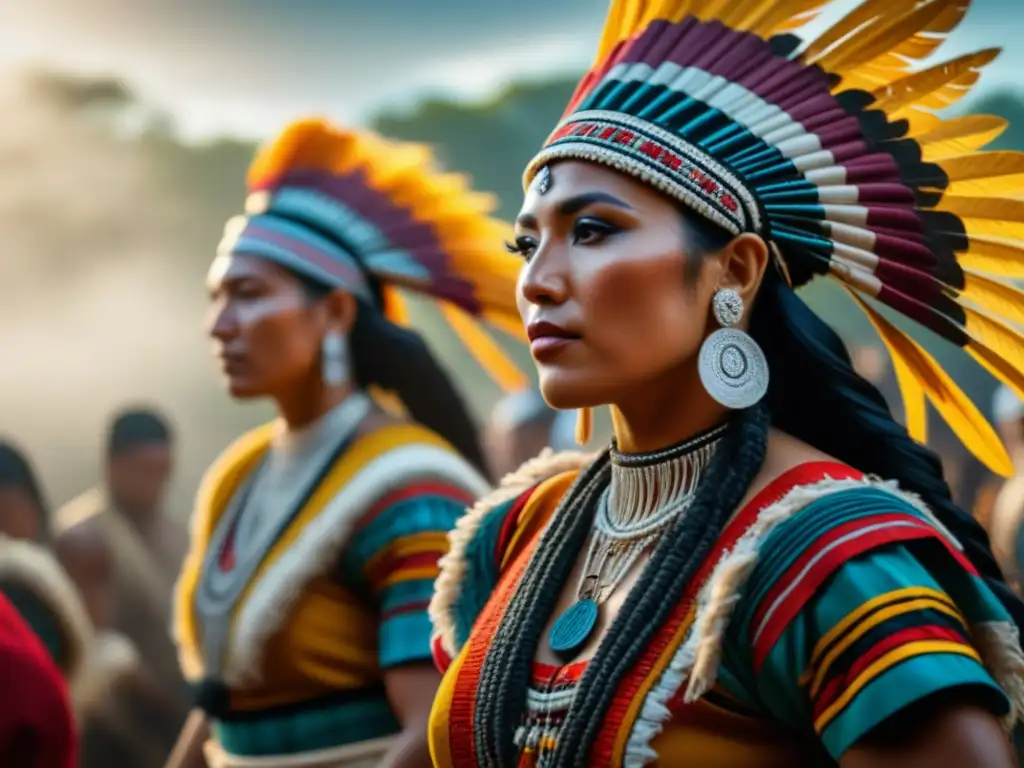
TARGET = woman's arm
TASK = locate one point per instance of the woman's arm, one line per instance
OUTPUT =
(948, 731)
(411, 690)
(188, 751)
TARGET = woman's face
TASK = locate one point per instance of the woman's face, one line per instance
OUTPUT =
(265, 329)
(19, 514)
(606, 295)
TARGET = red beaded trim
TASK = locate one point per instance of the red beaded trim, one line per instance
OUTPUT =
(652, 149)
(655, 156)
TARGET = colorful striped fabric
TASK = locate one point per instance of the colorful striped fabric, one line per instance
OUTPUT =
(393, 555)
(858, 607)
(331, 721)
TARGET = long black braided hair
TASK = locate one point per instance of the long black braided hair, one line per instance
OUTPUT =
(398, 360)
(859, 431)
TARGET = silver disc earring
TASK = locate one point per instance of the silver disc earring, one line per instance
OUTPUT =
(334, 359)
(732, 367)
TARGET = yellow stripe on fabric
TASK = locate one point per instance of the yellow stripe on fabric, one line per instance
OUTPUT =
(889, 660)
(536, 512)
(439, 724)
(430, 572)
(364, 450)
(407, 546)
(866, 608)
(626, 726)
(218, 487)
(873, 621)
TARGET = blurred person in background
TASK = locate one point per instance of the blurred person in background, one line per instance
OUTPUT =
(520, 427)
(37, 728)
(123, 551)
(40, 590)
(302, 614)
(1003, 513)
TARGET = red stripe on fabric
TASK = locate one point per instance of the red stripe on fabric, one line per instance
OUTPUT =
(304, 251)
(509, 525)
(437, 653)
(802, 474)
(390, 564)
(462, 714)
(815, 546)
(550, 674)
(420, 605)
(413, 491)
(837, 685)
(615, 719)
(821, 570)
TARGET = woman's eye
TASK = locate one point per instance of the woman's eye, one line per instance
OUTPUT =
(593, 231)
(522, 246)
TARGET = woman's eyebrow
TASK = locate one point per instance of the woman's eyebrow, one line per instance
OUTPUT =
(575, 204)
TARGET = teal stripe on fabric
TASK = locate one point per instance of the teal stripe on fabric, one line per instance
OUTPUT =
(422, 514)
(902, 685)
(303, 730)
(405, 638)
(406, 592)
(790, 539)
(481, 570)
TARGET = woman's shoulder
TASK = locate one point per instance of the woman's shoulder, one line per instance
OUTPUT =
(490, 535)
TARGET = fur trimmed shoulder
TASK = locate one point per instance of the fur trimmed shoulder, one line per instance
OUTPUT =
(449, 585)
(33, 567)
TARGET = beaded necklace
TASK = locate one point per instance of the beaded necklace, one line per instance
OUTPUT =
(647, 493)
(503, 681)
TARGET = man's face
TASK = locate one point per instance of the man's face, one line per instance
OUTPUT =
(139, 475)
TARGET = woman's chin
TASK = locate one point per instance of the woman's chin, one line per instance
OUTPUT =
(565, 390)
(241, 388)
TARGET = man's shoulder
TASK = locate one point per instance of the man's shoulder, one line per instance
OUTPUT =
(84, 512)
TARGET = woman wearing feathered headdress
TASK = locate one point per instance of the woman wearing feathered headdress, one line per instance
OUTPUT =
(764, 569)
(301, 610)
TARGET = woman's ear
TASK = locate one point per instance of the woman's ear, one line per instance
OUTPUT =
(342, 309)
(744, 262)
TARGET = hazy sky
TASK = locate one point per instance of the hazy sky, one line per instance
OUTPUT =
(249, 65)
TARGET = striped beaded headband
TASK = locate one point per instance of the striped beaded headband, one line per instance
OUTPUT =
(655, 156)
(297, 246)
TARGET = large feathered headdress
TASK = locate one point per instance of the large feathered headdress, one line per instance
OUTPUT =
(830, 149)
(356, 211)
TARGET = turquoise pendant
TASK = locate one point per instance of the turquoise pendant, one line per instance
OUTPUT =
(573, 628)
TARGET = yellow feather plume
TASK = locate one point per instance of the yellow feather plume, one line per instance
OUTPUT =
(911, 391)
(994, 255)
(490, 356)
(972, 131)
(999, 299)
(884, 37)
(999, 339)
(935, 87)
(963, 417)
(862, 15)
(987, 215)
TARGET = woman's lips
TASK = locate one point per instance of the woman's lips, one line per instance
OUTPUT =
(546, 346)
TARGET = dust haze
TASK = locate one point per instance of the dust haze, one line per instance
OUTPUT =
(108, 224)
